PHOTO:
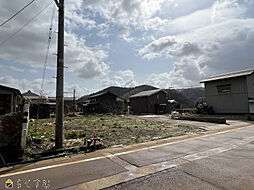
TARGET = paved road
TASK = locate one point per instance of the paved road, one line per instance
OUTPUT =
(230, 170)
(223, 160)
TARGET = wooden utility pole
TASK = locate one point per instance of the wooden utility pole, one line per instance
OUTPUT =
(60, 77)
(74, 104)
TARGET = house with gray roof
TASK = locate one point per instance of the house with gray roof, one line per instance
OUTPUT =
(231, 92)
(150, 102)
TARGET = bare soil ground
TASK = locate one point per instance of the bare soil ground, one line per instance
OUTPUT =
(112, 129)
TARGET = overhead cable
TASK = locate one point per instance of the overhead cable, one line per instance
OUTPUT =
(16, 13)
(47, 51)
(28, 22)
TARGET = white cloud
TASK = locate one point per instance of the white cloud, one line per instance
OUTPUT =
(158, 46)
(126, 14)
(104, 30)
(226, 46)
(123, 78)
(125, 33)
(205, 41)
(16, 69)
(226, 9)
(11, 68)
(79, 91)
(84, 61)
(221, 43)
(29, 46)
(186, 73)
(35, 86)
(170, 47)
(25, 85)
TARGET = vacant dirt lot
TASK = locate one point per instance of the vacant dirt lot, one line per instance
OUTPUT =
(112, 129)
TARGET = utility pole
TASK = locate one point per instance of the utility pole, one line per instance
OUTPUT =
(60, 77)
(74, 106)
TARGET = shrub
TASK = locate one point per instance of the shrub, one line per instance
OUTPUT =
(75, 134)
(34, 137)
(82, 134)
(204, 108)
(72, 135)
(76, 149)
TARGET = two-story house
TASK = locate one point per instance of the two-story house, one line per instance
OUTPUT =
(231, 92)
(104, 102)
(151, 101)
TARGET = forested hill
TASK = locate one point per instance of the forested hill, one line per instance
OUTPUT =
(186, 97)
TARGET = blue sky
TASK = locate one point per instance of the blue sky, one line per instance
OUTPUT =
(164, 43)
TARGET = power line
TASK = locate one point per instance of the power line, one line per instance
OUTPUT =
(47, 52)
(16, 13)
(36, 15)
(45, 62)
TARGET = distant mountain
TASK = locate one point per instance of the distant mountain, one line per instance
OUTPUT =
(136, 90)
(127, 92)
(185, 97)
(121, 91)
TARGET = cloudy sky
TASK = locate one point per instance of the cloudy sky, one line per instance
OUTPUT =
(165, 43)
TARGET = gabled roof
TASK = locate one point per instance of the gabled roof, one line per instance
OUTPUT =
(29, 93)
(228, 75)
(147, 93)
(14, 90)
(100, 94)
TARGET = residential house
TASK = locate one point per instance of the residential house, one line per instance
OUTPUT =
(10, 98)
(104, 102)
(69, 104)
(34, 98)
(152, 101)
(38, 105)
(231, 92)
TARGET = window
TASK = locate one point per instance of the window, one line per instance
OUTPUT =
(158, 96)
(224, 88)
(94, 100)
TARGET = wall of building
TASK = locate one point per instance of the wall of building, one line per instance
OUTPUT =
(153, 100)
(105, 103)
(13, 100)
(146, 104)
(10, 136)
(250, 85)
(235, 101)
(69, 106)
(139, 105)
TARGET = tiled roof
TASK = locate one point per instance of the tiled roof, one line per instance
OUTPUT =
(29, 93)
(228, 75)
(100, 94)
(146, 93)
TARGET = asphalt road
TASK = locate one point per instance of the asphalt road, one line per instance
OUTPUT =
(230, 170)
(222, 160)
